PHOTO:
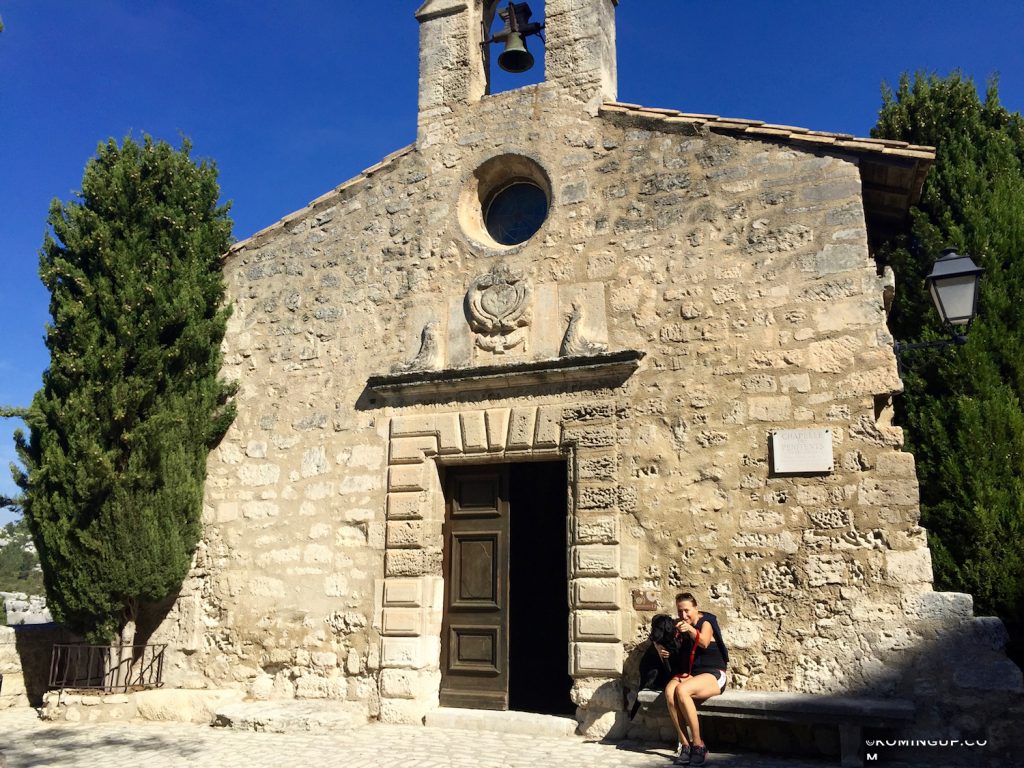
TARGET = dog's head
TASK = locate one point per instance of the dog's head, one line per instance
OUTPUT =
(663, 631)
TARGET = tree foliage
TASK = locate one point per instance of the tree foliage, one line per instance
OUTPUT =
(963, 411)
(131, 402)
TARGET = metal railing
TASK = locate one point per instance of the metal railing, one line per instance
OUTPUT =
(107, 668)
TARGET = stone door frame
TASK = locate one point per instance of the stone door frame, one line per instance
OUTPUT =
(410, 597)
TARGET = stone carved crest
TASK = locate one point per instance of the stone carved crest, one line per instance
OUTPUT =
(498, 307)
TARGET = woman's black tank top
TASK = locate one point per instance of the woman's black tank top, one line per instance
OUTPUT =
(705, 659)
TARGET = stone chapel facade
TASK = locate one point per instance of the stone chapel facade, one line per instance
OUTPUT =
(697, 284)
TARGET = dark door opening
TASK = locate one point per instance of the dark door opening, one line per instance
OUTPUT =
(505, 631)
(539, 678)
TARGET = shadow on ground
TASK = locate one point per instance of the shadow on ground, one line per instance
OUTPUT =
(69, 745)
(722, 760)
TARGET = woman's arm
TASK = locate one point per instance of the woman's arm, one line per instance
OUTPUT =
(706, 635)
(702, 637)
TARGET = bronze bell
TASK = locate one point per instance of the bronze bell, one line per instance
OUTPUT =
(515, 58)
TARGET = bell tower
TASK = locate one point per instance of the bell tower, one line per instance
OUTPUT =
(455, 62)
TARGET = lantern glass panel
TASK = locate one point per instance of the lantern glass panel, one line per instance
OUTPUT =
(954, 298)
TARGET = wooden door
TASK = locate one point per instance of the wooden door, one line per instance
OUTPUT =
(474, 635)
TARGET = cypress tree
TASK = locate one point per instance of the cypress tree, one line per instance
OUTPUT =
(131, 402)
(963, 409)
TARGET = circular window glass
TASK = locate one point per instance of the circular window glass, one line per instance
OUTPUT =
(516, 212)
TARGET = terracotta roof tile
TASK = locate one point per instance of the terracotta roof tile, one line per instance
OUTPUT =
(764, 130)
(672, 112)
(885, 142)
(918, 153)
(699, 116)
(832, 134)
(737, 121)
(787, 128)
(810, 138)
(841, 141)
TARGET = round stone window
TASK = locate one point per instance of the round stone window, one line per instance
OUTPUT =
(505, 202)
(515, 213)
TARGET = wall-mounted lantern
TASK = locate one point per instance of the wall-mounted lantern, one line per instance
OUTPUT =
(953, 284)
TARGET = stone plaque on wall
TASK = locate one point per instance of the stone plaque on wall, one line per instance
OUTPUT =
(800, 451)
(645, 600)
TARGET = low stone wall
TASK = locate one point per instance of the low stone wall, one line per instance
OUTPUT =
(12, 690)
(171, 705)
(25, 609)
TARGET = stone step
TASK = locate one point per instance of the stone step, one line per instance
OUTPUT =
(501, 722)
(286, 716)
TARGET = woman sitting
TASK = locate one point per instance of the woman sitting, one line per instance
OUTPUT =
(700, 674)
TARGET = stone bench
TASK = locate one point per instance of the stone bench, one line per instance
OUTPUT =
(851, 713)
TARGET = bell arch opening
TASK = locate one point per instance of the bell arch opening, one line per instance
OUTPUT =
(529, 49)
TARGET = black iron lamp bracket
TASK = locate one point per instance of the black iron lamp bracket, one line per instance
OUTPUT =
(901, 348)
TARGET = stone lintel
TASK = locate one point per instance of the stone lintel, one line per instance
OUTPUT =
(607, 369)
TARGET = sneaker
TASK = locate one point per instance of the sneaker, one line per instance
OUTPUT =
(697, 755)
(683, 758)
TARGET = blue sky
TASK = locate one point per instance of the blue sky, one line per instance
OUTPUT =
(291, 99)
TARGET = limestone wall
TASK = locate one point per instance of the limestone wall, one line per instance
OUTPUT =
(740, 267)
(12, 689)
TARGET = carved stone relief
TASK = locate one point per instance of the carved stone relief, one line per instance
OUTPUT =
(575, 342)
(430, 356)
(498, 305)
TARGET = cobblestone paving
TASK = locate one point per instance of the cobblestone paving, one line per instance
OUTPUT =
(29, 743)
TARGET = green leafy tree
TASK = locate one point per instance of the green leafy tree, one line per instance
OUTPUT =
(131, 403)
(963, 410)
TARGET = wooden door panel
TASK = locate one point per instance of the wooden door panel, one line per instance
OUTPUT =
(475, 570)
(477, 495)
(474, 654)
(475, 649)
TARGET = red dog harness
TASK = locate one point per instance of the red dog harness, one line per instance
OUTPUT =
(693, 654)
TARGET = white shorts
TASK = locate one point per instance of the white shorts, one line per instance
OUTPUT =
(721, 680)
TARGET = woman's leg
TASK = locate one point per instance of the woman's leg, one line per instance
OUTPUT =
(674, 711)
(699, 688)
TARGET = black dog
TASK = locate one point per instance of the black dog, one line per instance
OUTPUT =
(655, 672)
